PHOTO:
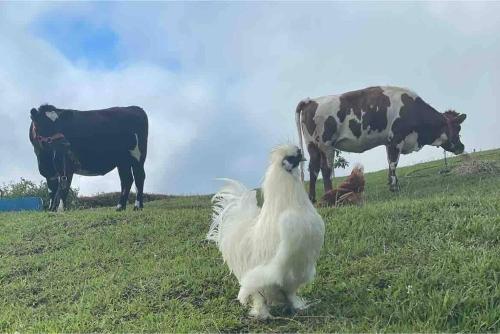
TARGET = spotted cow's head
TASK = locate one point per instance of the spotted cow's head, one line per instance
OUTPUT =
(452, 132)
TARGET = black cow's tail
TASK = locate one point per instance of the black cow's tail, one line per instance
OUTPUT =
(142, 140)
(298, 113)
(141, 128)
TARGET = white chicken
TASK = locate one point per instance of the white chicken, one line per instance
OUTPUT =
(272, 250)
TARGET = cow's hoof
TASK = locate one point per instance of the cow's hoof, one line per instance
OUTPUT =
(119, 207)
(394, 189)
(52, 208)
(137, 208)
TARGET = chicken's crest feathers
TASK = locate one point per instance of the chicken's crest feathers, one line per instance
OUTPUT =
(280, 152)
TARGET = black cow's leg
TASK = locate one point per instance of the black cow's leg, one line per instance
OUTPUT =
(62, 165)
(314, 166)
(126, 180)
(47, 169)
(393, 158)
(139, 177)
(52, 185)
(65, 185)
(57, 198)
(326, 171)
(58, 203)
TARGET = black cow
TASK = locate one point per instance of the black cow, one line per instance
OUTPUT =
(93, 142)
(363, 119)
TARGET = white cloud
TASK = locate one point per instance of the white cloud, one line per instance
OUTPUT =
(468, 17)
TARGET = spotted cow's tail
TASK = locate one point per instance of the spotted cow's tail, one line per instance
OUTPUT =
(298, 113)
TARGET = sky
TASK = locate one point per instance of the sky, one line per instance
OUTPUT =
(220, 80)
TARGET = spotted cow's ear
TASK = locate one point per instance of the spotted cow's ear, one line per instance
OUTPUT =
(461, 118)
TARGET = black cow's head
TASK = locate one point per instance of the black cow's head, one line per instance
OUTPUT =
(452, 131)
(48, 119)
(48, 122)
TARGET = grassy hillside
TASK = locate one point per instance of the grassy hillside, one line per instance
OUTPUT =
(425, 259)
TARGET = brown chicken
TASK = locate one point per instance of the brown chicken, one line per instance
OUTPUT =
(349, 192)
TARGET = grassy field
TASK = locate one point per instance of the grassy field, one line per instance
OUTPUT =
(425, 259)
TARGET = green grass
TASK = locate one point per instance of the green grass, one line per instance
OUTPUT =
(426, 259)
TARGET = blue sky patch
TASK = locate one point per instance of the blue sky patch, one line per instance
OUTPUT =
(81, 41)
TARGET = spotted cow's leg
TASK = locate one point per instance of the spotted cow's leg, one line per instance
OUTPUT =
(139, 177)
(126, 180)
(393, 158)
(314, 166)
(389, 162)
(330, 156)
(326, 169)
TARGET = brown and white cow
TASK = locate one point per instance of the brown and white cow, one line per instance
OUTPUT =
(363, 119)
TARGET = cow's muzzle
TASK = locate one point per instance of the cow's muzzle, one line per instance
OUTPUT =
(459, 149)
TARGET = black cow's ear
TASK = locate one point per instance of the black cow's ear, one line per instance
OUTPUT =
(33, 112)
(461, 118)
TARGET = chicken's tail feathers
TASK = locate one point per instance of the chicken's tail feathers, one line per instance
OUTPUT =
(232, 204)
(232, 185)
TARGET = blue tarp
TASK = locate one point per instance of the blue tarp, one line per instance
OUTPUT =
(21, 204)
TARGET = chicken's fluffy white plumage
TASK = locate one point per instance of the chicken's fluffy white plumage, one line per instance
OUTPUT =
(272, 250)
